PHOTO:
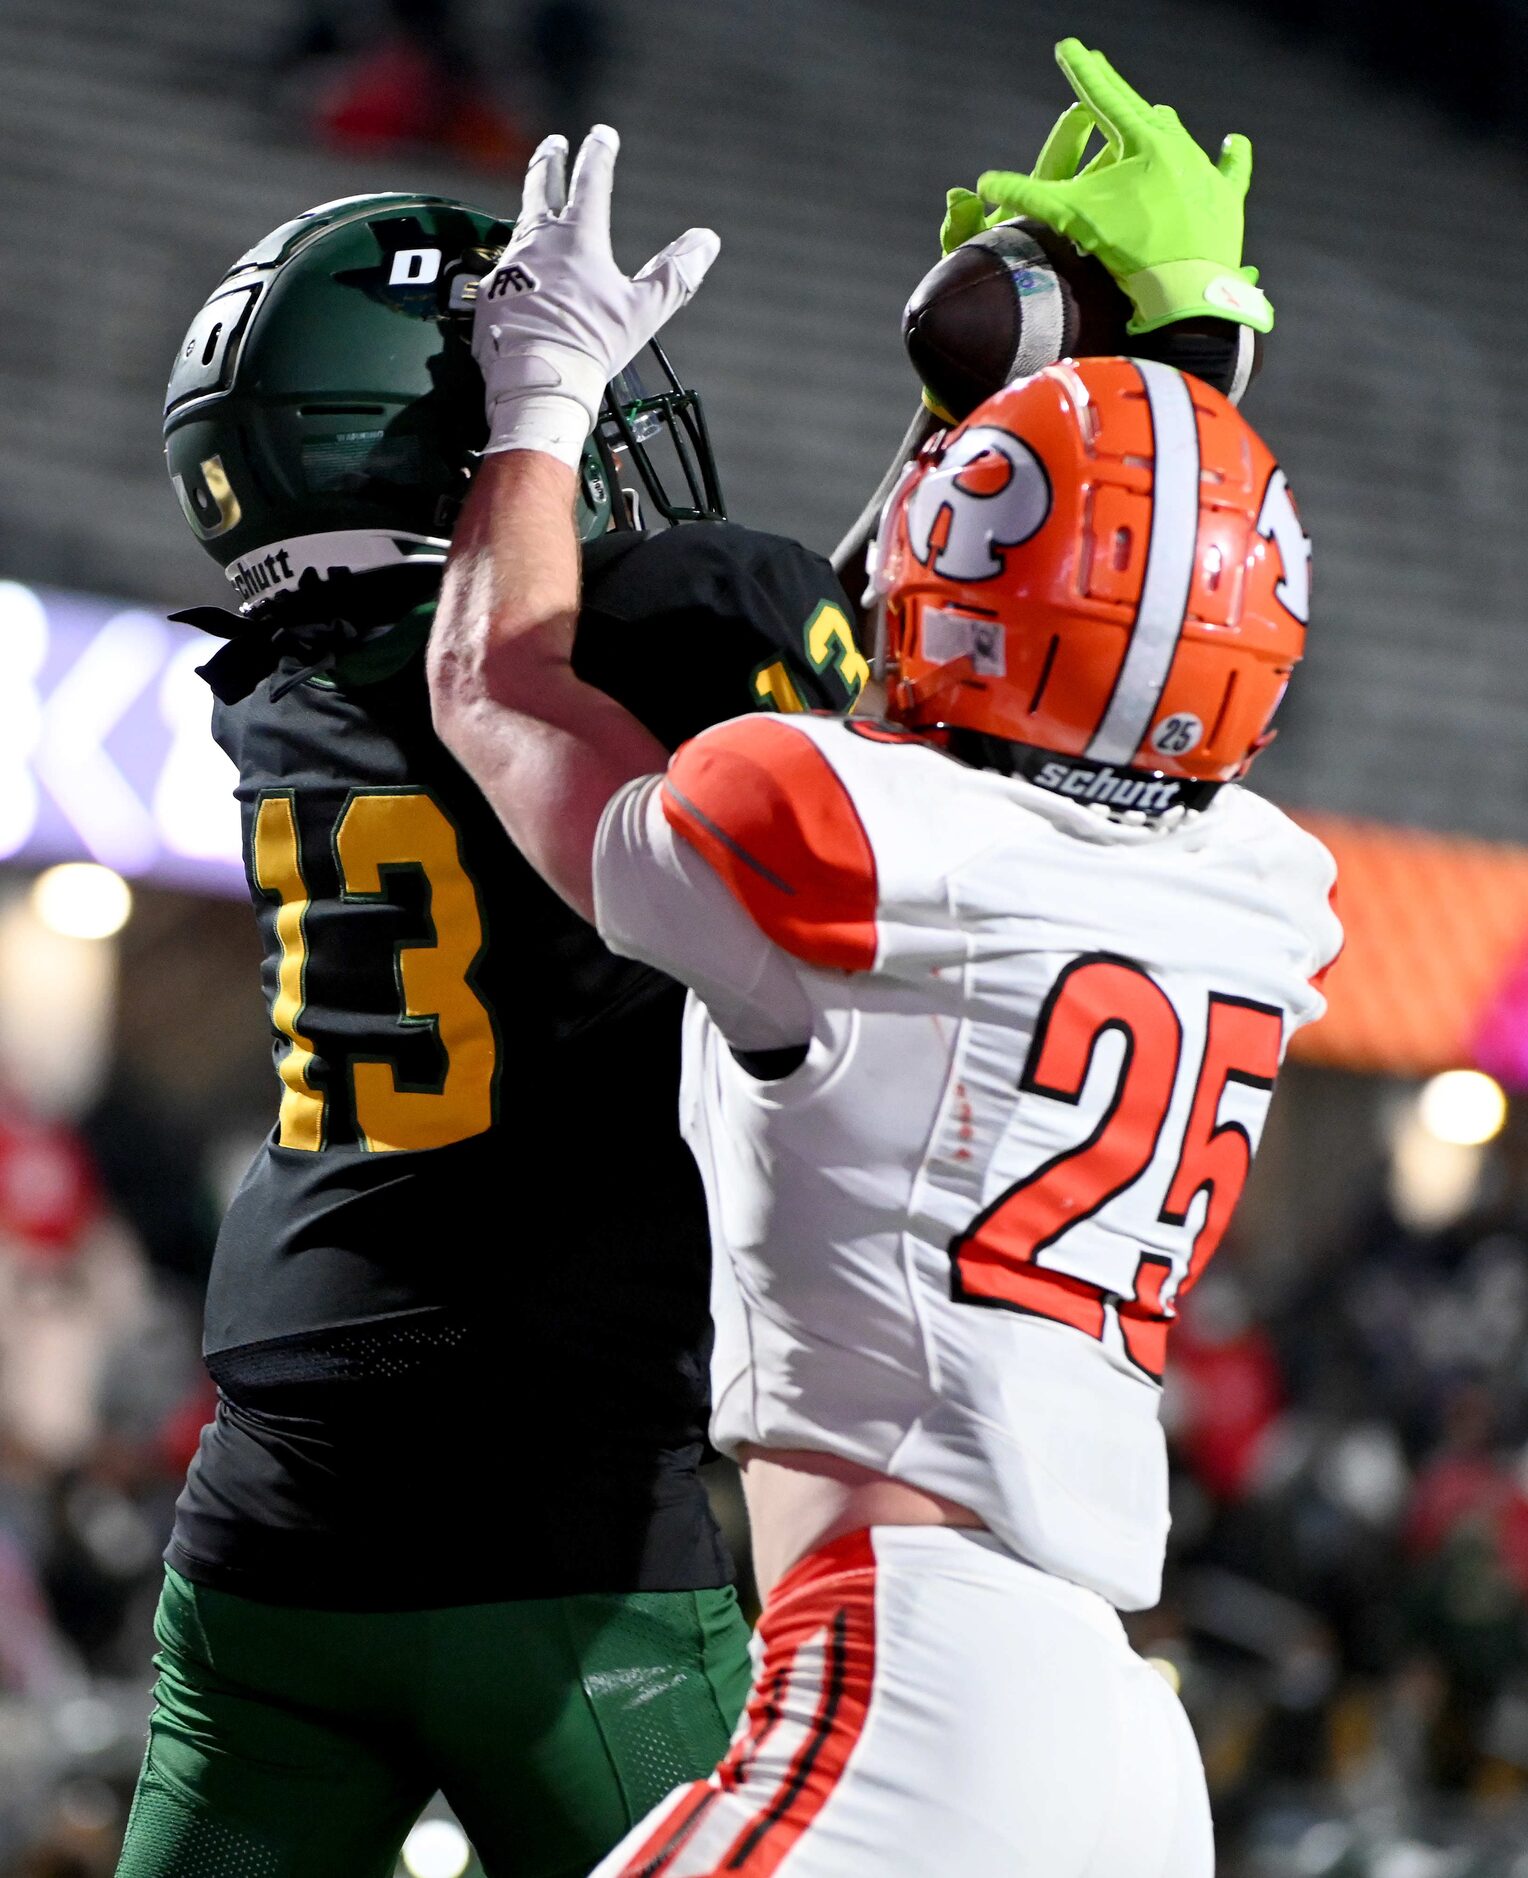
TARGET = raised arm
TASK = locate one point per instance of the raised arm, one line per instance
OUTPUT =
(546, 749)
(555, 320)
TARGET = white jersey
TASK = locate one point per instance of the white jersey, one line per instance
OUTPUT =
(1041, 1046)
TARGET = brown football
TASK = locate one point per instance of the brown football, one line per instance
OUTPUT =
(1008, 302)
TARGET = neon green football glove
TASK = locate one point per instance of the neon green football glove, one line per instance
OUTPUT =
(1161, 217)
(966, 213)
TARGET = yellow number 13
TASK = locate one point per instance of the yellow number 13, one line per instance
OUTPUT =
(376, 832)
(829, 641)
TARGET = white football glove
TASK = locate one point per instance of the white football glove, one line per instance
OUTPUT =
(556, 319)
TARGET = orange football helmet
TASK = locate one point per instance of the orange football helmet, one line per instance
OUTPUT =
(1104, 562)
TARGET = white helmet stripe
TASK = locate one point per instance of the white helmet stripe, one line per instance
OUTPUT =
(1169, 568)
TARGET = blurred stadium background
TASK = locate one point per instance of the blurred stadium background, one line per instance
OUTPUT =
(1348, 1602)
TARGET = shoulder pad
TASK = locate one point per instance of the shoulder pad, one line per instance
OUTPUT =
(763, 806)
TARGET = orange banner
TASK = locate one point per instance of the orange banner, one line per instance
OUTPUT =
(1434, 974)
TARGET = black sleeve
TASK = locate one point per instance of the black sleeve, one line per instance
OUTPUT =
(703, 622)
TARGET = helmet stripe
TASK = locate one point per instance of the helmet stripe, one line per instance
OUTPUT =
(1169, 568)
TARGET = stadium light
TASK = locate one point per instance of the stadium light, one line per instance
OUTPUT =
(436, 1848)
(81, 900)
(1464, 1107)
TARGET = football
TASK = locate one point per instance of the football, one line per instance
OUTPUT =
(1008, 302)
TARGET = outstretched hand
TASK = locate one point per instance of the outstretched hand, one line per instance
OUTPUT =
(556, 319)
(1163, 218)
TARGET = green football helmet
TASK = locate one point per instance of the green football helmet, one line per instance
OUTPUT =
(325, 410)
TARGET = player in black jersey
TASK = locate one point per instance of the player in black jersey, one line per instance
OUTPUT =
(446, 1530)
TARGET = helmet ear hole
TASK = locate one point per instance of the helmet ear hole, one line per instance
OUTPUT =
(207, 498)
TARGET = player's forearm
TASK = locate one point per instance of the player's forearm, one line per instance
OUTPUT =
(509, 598)
(555, 319)
(547, 750)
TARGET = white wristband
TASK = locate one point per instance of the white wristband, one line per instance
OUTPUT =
(543, 397)
(539, 420)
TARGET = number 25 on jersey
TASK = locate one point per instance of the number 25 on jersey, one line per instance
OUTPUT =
(996, 1260)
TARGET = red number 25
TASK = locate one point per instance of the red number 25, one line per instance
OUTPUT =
(994, 1261)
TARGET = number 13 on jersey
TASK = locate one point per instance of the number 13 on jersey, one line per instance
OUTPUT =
(1026, 1252)
(380, 832)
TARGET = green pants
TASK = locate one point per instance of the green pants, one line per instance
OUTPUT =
(303, 1744)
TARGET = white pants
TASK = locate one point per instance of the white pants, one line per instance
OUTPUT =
(925, 1706)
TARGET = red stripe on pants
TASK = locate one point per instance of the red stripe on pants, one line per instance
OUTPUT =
(832, 1590)
(827, 1601)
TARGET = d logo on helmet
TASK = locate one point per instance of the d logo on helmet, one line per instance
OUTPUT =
(209, 505)
(988, 492)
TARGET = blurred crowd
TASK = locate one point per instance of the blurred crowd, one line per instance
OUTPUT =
(1347, 1601)
(386, 77)
(103, 1241)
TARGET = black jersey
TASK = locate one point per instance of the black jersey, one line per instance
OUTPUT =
(457, 1313)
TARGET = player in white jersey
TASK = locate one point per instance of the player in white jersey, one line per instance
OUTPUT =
(989, 1003)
